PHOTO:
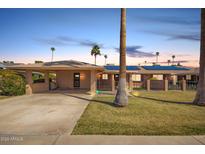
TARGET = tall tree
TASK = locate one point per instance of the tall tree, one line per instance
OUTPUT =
(38, 61)
(121, 98)
(52, 50)
(200, 95)
(173, 57)
(105, 56)
(95, 51)
(157, 56)
(168, 61)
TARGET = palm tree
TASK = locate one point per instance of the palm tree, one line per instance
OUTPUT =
(95, 51)
(173, 57)
(145, 62)
(121, 98)
(105, 56)
(168, 61)
(52, 50)
(157, 55)
(200, 95)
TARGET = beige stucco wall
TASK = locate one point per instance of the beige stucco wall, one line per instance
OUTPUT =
(157, 84)
(39, 87)
(36, 87)
(105, 84)
(64, 79)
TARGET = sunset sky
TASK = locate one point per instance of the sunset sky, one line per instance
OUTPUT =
(28, 34)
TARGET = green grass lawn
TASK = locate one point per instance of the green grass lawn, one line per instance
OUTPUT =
(148, 113)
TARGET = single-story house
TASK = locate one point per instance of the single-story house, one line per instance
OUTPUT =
(2, 66)
(70, 75)
(138, 75)
(81, 76)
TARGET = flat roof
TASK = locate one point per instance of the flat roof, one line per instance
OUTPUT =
(158, 67)
(128, 68)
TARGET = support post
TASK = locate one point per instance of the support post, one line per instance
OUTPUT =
(46, 75)
(130, 82)
(183, 84)
(165, 84)
(92, 82)
(174, 79)
(113, 82)
(148, 85)
(29, 82)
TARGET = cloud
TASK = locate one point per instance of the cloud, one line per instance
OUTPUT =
(174, 36)
(190, 37)
(51, 42)
(134, 51)
(184, 24)
(170, 20)
(64, 41)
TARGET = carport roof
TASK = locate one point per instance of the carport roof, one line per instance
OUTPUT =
(58, 65)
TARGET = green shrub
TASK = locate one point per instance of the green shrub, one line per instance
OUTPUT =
(11, 84)
(153, 78)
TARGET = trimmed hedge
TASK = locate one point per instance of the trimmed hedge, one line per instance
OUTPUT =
(153, 78)
(11, 84)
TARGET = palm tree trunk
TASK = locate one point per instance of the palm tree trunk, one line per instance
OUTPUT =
(95, 59)
(52, 57)
(157, 60)
(121, 98)
(200, 95)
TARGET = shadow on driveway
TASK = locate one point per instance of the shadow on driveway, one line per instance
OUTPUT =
(110, 103)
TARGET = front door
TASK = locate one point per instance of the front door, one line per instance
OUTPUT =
(76, 80)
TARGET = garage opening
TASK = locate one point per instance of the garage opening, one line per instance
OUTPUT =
(52, 81)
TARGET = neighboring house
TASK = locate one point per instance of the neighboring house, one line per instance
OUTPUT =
(2, 66)
(6, 64)
(80, 76)
(138, 75)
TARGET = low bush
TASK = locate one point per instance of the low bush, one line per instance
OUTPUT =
(153, 78)
(11, 84)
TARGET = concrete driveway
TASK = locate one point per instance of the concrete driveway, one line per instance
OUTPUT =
(41, 114)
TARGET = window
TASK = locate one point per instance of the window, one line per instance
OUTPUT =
(188, 77)
(136, 77)
(76, 80)
(38, 77)
(158, 77)
(116, 77)
(105, 76)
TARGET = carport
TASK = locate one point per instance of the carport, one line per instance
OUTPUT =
(70, 75)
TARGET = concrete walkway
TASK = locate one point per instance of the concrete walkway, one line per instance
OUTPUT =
(101, 140)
